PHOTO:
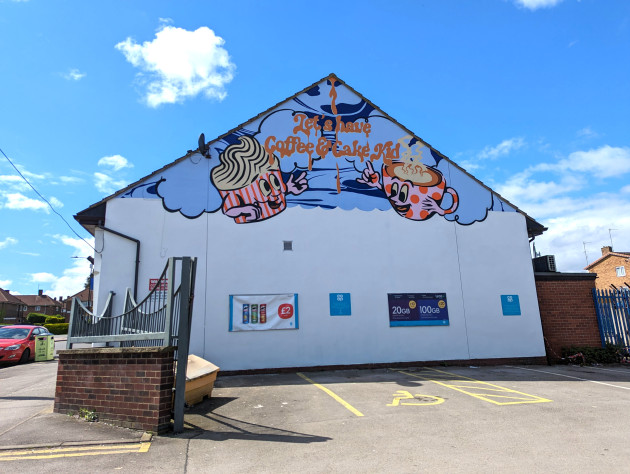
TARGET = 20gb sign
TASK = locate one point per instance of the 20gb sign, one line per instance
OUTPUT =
(418, 309)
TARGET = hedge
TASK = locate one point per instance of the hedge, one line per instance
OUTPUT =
(36, 318)
(58, 328)
(55, 319)
(608, 354)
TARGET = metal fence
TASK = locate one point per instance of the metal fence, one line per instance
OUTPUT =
(152, 322)
(613, 316)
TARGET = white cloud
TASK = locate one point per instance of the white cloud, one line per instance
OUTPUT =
(536, 4)
(74, 75)
(71, 180)
(5, 283)
(115, 162)
(55, 202)
(603, 162)
(72, 278)
(469, 165)
(31, 176)
(585, 222)
(565, 202)
(13, 182)
(179, 64)
(106, 184)
(502, 149)
(18, 201)
(587, 132)
(526, 192)
(8, 241)
(42, 277)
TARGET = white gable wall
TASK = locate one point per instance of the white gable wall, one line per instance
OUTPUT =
(367, 254)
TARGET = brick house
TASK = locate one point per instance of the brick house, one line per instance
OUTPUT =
(12, 310)
(40, 303)
(85, 296)
(612, 268)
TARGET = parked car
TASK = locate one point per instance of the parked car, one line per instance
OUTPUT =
(17, 342)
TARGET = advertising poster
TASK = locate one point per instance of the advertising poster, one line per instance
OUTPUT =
(263, 312)
(417, 309)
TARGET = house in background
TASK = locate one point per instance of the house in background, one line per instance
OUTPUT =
(85, 296)
(612, 268)
(40, 303)
(12, 309)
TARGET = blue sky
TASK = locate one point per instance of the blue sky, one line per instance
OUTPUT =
(530, 96)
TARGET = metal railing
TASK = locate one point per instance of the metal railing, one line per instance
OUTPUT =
(152, 322)
(613, 316)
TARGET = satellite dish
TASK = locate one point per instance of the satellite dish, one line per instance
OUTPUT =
(203, 148)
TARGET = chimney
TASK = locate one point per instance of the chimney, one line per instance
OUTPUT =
(606, 249)
(40, 292)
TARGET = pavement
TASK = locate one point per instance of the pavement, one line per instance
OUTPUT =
(440, 419)
(27, 395)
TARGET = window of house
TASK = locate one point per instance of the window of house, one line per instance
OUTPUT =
(38, 308)
(621, 271)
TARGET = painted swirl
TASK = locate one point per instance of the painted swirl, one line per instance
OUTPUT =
(241, 164)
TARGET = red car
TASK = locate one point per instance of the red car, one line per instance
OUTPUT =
(17, 343)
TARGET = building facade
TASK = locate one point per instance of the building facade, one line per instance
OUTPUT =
(327, 233)
(612, 268)
(41, 303)
(12, 309)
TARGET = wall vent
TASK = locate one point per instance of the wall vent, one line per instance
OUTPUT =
(288, 245)
(546, 263)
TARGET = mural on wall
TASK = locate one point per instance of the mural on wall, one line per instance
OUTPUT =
(328, 148)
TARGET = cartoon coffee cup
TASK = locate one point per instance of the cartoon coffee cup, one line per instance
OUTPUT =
(415, 191)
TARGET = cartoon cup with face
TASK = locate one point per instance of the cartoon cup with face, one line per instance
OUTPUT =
(415, 191)
(251, 184)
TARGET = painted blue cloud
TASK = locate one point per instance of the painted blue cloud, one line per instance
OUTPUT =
(186, 187)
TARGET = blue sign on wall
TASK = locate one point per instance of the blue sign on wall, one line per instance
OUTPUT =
(510, 305)
(340, 304)
(417, 309)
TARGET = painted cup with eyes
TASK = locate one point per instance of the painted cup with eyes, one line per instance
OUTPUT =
(416, 192)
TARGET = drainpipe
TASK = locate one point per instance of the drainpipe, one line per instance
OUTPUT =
(135, 281)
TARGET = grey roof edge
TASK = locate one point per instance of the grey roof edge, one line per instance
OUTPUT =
(534, 228)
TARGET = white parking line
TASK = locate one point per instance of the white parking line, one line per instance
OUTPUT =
(569, 377)
(620, 371)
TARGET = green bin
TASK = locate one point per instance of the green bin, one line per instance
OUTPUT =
(44, 348)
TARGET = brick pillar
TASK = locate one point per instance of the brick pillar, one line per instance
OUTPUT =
(567, 311)
(130, 386)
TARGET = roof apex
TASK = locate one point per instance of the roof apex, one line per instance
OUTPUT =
(87, 219)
